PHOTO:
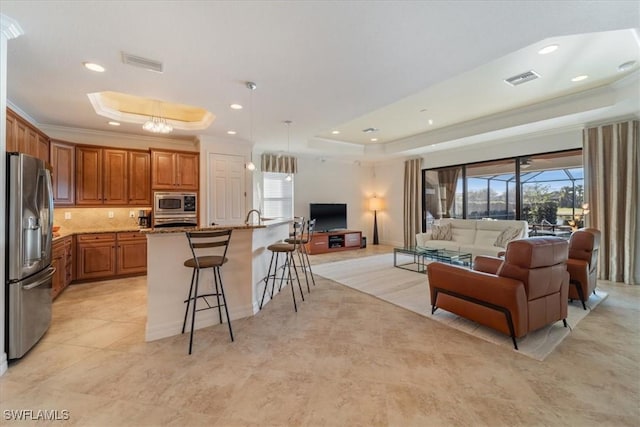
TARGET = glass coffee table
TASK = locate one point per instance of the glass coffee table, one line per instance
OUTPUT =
(420, 254)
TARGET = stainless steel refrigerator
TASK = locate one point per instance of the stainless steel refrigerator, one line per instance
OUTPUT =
(29, 273)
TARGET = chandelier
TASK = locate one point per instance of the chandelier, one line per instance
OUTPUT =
(157, 123)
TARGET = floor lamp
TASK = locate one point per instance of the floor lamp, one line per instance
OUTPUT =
(375, 204)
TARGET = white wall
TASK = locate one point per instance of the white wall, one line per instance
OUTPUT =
(334, 181)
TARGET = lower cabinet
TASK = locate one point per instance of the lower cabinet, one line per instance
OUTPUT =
(62, 261)
(105, 255)
(132, 253)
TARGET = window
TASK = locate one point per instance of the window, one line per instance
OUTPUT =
(278, 195)
(549, 190)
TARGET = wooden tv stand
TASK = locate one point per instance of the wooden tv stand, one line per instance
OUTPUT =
(332, 241)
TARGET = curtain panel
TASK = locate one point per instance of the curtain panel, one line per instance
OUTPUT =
(449, 180)
(279, 163)
(412, 200)
(611, 160)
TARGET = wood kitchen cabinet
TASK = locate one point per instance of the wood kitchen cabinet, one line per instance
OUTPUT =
(95, 256)
(174, 170)
(25, 138)
(139, 177)
(108, 255)
(132, 253)
(101, 176)
(62, 261)
(63, 163)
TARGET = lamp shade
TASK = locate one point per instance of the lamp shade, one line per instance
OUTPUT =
(375, 204)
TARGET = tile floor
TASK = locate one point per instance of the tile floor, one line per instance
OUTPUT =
(345, 359)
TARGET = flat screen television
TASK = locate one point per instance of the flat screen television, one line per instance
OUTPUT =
(328, 216)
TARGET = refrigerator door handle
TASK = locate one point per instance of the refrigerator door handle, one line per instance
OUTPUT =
(42, 279)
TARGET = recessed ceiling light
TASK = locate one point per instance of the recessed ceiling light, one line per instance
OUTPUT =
(231, 132)
(93, 67)
(580, 78)
(112, 123)
(626, 66)
(374, 139)
(548, 49)
(430, 122)
(235, 106)
(335, 132)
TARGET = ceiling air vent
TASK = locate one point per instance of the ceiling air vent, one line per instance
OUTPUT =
(138, 61)
(522, 78)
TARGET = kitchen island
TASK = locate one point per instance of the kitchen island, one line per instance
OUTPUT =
(168, 279)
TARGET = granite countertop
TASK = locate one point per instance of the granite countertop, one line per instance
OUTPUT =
(265, 224)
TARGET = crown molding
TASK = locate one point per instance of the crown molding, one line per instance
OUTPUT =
(99, 137)
(10, 28)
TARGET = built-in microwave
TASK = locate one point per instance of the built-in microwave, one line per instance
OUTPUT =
(174, 208)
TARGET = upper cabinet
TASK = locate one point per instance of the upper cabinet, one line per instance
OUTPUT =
(139, 178)
(109, 176)
(174, 170)
(63, 177)
(25, 138)
(101, 176)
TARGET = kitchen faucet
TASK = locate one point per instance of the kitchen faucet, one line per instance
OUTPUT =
(246, 221)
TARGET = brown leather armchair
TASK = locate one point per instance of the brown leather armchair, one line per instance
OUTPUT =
(582, 264)
(524, 292)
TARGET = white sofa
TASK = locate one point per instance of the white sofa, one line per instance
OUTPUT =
(473, 236)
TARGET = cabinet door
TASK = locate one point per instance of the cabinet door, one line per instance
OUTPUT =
(89, 176)
(114, 178)
(319, 244)
(22, 135)
(132, 253)
(63, 177)
(353, 240)
(96, 256)
(139, 178)
(32, 142)
(12, 137)
(187, 171)
(68, 253)
(43, 148)
(58, 261)
(163, 170)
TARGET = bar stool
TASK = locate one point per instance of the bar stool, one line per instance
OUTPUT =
(202, 240)
(303, 255)
(288, 249)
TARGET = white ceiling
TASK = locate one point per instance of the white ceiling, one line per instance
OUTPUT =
(323, 65)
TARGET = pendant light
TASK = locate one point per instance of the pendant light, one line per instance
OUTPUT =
(288, 122)
(251, 86)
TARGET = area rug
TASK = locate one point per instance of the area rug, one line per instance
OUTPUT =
(376, 275)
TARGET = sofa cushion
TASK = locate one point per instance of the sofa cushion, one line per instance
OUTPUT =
(486, 237)
(463, 230)
(441, 232)
(507, 235)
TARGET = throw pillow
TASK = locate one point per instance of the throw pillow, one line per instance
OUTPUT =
(507, 235)
(441, 232)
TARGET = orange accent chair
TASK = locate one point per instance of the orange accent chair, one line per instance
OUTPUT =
(583, 264)
(523, 292)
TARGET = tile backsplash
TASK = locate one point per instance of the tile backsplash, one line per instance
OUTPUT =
(96, 219)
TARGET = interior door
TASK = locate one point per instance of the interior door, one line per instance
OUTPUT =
(226, 189)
